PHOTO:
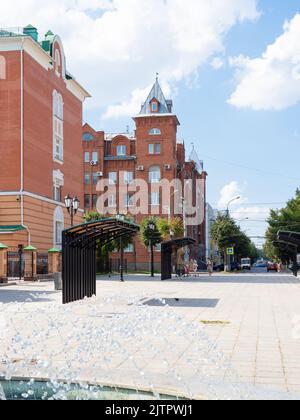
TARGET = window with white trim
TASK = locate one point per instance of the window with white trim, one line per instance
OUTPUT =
(112, 202)
(58, 183)
(121, 150)
(128, 178)
(58, 227)
(155, 199)
(58, 127)
(154, 175)
(155, 132)
(112, 177)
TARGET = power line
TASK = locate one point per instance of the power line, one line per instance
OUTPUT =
(251, 168)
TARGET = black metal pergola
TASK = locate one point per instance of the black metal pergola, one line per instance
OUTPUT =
(79, 254)
(167, 249)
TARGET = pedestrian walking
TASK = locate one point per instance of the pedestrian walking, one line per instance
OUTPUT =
(210, 267)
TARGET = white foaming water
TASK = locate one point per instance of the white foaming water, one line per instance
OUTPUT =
(120, 342)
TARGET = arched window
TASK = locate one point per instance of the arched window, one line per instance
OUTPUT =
(2, 68)
(87, 137)
(155, 132)
(154, 175)
(58, 227)
(58, 127)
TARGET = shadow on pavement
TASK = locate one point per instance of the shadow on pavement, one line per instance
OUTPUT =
(24, 296)
(183, 303)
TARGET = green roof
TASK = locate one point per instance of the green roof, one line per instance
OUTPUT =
(29, 27)
(11, 228)
(53, 251)
(30, 248)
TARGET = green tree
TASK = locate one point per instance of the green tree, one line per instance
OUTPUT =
(285, 219)
(150, 236)
(226, 233)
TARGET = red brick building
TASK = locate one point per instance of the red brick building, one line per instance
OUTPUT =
(152, 154)
(40, 139)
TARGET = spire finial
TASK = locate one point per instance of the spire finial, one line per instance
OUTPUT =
(157, 75)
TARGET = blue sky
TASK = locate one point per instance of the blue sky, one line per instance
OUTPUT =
(228, 138)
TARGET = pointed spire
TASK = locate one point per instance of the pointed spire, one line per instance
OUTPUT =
(156, 94)
(195, 158)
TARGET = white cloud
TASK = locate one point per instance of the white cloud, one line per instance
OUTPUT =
(217, 63)
(229, 192)
(271, 82)
(116, 47)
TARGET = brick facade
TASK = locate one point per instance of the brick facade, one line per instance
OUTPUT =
(154, 143)
(34, 72)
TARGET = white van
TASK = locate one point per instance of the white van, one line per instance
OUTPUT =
(246, 264)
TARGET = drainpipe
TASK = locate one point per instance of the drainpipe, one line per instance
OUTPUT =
(22, 143)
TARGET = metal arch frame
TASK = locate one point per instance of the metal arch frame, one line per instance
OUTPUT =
(79, 254)
(167, 249)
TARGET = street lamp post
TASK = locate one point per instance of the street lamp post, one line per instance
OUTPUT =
(231, 201)
(72, 205)
(152, 229)
(228, 257)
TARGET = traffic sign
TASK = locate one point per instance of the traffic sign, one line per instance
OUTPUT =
(230, 251)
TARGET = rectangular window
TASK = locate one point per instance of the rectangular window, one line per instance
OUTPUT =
(129, 249)
(121, 150)
(57, 193)
(128, 200)
(95, 199)
(154, 107)
(95, 178)
(128, 178)
(157, 149)
(151, 149)
(87, 201)
(87, 157)
(58, 139)
(87, 179)
(155, 199)
(95, 157)
(112, 176)
(112, 202)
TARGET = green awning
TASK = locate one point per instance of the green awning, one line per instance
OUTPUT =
(11, 229)
(2, 246)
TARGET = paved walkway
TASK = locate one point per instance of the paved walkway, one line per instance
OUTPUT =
(253, 319)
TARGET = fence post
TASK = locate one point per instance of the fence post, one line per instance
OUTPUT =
(30, 264)
(53, 261)
(3, 263)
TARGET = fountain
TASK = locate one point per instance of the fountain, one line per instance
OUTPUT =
(111, 348)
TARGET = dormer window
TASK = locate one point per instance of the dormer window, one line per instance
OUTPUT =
(154, 107)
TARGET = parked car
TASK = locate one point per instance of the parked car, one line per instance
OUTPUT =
(219, 268)
(235, 266)
(272, 267)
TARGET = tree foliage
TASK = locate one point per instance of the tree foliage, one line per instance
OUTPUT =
(226, 233)
(285, 219)
(163, 229)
